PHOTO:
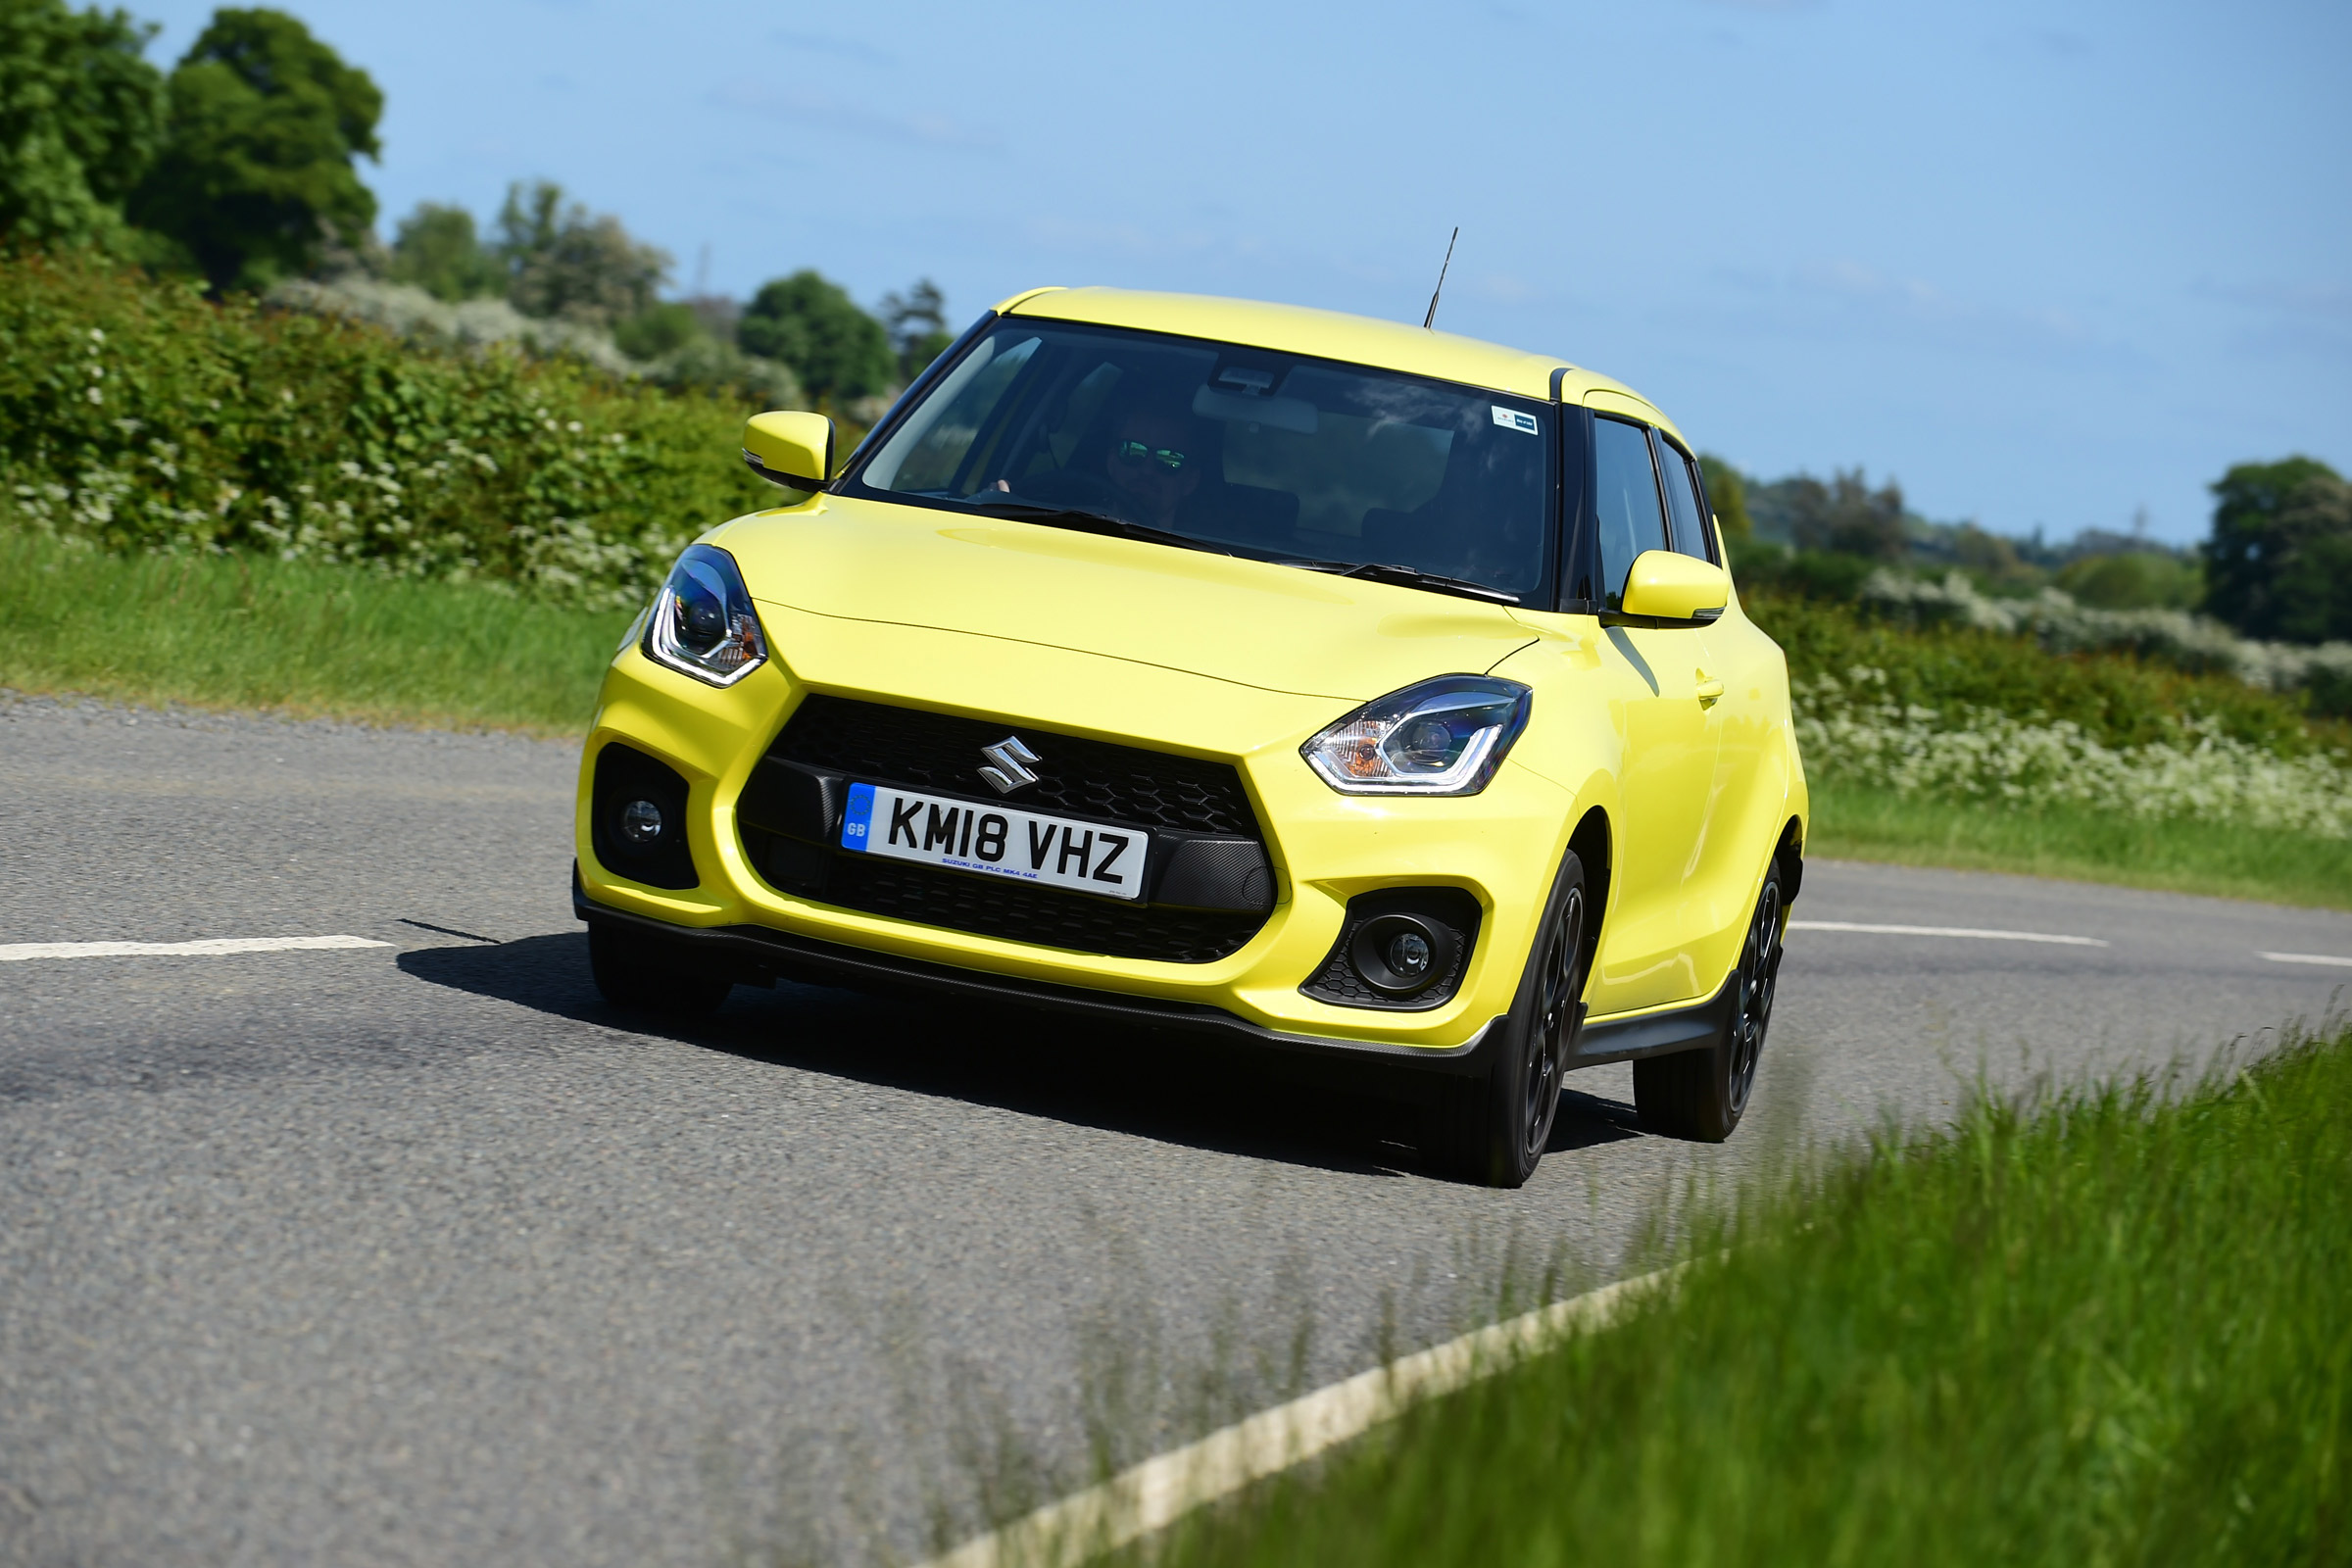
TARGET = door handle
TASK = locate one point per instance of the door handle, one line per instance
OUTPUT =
(1709, 688)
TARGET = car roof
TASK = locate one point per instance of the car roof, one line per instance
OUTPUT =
(1335, 335)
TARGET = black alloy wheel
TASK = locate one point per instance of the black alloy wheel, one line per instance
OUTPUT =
(635, 974)
(1703, 1094)
(1494, 1127)
(1759, 977)
(1559, 979)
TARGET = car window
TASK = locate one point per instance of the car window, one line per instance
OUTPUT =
(1687, 521)
(1626, 497)
(1245, 450)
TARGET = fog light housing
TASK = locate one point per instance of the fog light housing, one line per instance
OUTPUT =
(1400, 948)
(1395, 953)
(637, 818)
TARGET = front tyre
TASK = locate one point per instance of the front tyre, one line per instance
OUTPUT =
(1701, 1095)
(1496, 1125)
(640, 976)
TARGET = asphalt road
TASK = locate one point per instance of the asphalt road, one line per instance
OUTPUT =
(416, 1253)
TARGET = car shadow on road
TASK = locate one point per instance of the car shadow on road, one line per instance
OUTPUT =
(1181, 1091)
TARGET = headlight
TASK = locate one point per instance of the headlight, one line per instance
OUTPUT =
(1442, 737)
(703, 624)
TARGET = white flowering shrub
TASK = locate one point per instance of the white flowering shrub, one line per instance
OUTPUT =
(409, 311)
(1853, 733)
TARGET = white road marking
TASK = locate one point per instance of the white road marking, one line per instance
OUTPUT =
(209, 948)
(2306, 958)
(1945, 931)
(1158, 1492)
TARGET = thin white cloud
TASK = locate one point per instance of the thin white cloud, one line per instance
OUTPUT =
(807, 106)
(1844, 295)
(2327, 302)
(820, 43)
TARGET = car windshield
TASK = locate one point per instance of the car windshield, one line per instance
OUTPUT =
(1241, 450)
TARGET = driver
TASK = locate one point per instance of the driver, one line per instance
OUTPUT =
(1154, 463)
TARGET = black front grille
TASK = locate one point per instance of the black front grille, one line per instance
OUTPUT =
(1020, 911)
(1079, 777)
(1082, 778)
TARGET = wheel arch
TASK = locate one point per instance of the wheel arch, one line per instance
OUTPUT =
(1791, 853)
(1593, 844)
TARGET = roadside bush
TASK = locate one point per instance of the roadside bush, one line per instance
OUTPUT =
(138, 415)
(1959, 710)
(2115, 698)
(2190, 643)
(1851, 734)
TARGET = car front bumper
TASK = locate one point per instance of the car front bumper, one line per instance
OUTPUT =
(1500, 845)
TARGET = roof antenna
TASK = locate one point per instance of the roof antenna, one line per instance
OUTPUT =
(1429, 323)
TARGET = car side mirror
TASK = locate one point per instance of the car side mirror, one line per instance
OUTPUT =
(1664, 585)
(790, 449)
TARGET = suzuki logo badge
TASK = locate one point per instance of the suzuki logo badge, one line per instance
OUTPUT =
(1008, 768)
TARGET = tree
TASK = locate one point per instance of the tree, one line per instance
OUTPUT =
(1726, 491)
(438, 251)
(917, 324)
(815, 329)
(2279, 562)
(662, 330)
(1847, 516)
(258, 174)
(569, 263)
(2132, 579)
(81, 114)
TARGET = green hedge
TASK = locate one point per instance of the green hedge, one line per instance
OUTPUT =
(2117, 699)
(138, 414)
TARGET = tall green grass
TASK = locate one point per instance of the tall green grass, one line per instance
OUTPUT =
(2102, 1326)
(247, 631)
(2218, 858)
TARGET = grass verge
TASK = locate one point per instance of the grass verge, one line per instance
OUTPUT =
(245, 631)
(2084, 845)
(2104, 1325)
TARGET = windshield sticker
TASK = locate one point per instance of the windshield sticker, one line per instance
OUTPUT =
(1513, 419)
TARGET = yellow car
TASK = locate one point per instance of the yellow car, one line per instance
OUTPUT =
(1195, 665)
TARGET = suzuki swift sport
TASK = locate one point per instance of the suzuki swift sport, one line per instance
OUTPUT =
(1193, 665)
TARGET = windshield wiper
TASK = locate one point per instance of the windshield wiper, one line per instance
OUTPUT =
(1406, 576)
(1085, 522)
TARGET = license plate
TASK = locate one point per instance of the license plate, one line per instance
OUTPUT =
(995, 841)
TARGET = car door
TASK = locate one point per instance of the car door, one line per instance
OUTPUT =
(1652, 675)
(1746, 804)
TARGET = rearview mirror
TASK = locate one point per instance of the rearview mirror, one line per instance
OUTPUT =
(792, 450)
(1666, 586)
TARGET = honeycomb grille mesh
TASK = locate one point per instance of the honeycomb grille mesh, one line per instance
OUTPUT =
(1087, 778)
(1079, 777)
(1019, 912)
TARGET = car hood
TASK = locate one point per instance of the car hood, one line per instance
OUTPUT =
(1276, 628)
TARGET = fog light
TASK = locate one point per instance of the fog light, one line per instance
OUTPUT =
(1399, 954)
(1409, 955)
(641, 824)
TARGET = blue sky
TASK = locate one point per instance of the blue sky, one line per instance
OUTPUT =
(2043, 264)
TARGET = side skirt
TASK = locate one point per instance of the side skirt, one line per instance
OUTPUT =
(1695, 1027)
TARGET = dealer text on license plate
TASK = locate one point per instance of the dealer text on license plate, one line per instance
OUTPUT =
(995, 840)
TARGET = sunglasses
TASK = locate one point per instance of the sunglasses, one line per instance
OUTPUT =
(1167, 457)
